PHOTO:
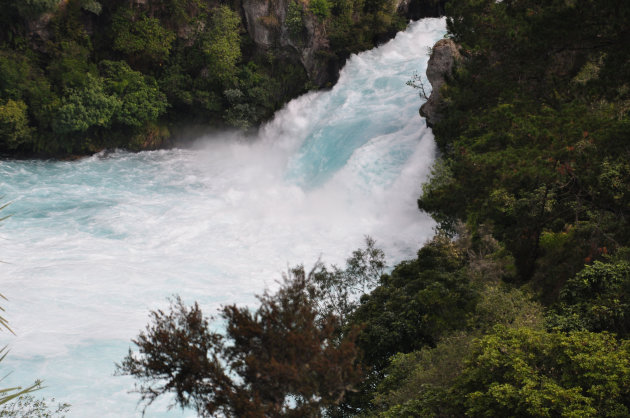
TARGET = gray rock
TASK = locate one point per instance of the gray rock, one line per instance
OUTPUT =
(443, 57)
(263, 19)
(266, 24)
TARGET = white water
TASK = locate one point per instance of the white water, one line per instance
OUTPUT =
(94, 244)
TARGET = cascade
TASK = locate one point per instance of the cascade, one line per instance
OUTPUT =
(94, 244)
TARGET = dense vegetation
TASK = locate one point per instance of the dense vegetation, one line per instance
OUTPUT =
(77, 76)
(524, 312)
(519, 306)
(286, 358)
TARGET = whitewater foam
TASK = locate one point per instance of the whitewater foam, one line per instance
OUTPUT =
(94, 244)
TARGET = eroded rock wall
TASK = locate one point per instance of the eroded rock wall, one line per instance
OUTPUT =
(444, 55)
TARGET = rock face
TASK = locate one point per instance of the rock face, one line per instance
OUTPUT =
(266, 25)
(264, 19)
(443, 57)
(315, 54)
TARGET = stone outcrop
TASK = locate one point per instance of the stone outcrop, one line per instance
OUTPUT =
(315, 53)
(444, 55)
(266, 25)
(264, 19)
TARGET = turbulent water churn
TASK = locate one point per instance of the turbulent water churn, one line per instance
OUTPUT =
(94, 244)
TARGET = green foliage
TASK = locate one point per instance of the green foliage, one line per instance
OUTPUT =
(596, 299)
(320, 8)
(545, 157)
(13, 12)
(141, 37)
(239, 114)
(261, 90)
(522, 372)
(423, 382)
(506, 306)
(533, 150)
(221, 44)
(13, 75)
(85, 108)
(207, 69)
(419, 302)
(92, 6)
(140, 98)
(34, 8)
(295, 20)
(14, 125)
(355, 25)
(533, 147)
(341, 288)
(511, 372)
(20, 80)
(122, 99)
(418, 383)
(70, 65)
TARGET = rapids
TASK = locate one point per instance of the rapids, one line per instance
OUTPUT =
(92, 245)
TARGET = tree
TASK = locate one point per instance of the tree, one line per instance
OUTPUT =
(14, 124)
(84, 108)
(546, 155)
(220, 44)
(511, 372)
(284, 358)
(140, 99)
(596, 299)
(416, 304)
(320, 8)
(523, 372)
(144, 38)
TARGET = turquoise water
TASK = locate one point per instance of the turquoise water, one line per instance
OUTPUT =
(92, 245)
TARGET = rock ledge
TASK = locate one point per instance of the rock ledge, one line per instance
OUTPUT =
(443, 57)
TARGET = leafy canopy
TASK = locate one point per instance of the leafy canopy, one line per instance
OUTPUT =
(284, 358)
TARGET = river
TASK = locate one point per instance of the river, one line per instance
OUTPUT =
(94, 244)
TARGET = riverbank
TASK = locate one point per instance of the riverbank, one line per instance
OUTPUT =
(78, 76)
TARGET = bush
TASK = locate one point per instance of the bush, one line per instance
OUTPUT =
(14, 125)
(140, 98)
(523, 372)
(284, 358)
(320, 8)
(84, 108)
(144, 37)
(596, 299)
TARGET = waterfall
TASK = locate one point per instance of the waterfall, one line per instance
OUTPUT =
(92, 245)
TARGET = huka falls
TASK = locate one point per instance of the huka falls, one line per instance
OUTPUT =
(314, 208)
(91, 245)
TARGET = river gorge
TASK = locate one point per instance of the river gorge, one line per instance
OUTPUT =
(93, 244)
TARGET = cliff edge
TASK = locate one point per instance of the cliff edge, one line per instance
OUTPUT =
(444, 54)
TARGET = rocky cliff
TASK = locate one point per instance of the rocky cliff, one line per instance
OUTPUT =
(291, 28)
(267, 25)
(444, 55)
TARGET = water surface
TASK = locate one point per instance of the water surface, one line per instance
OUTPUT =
(94, 244)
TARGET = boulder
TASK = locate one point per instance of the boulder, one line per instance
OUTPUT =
(444, 55)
